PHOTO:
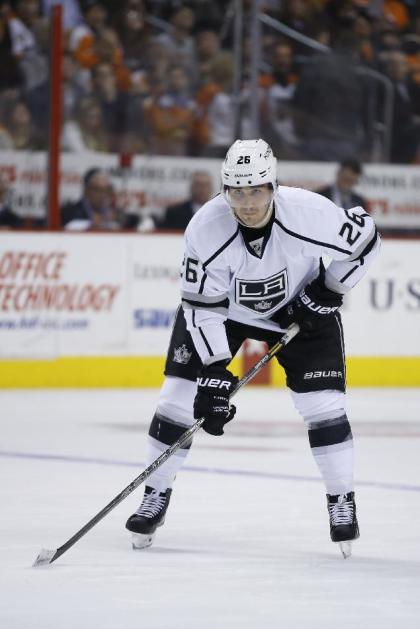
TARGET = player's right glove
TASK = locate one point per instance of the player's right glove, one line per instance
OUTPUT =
(311, 308)
(214, 386)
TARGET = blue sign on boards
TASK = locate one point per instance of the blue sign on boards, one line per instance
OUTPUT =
(153, 318)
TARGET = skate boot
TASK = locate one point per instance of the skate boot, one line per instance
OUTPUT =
(343, 522)
(150, 514)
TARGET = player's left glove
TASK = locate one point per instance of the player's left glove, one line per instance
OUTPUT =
(311, 308)
(214, 386)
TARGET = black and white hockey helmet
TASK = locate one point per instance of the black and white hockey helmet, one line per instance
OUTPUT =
(249, 163)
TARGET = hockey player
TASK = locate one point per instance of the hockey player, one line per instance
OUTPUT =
(253, 266)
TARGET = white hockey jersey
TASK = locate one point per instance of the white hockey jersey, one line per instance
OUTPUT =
(226, 277)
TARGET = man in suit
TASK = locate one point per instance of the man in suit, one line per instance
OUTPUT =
(178, 216)
(8, 218)
(341, 191)
(93, 210)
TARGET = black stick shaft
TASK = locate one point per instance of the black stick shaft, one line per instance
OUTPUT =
(291, 332)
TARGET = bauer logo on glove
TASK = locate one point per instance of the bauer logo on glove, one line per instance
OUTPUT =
(214, 385)
(318, 308)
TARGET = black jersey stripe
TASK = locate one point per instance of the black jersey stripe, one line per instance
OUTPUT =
(203, 336)
(222, 248)
(315, 242)
(347, 275)
(368, 247)
(197, 305)
(224, 303)
(203, 279)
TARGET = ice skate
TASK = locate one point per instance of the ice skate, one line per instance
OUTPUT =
(344, 528)
(150, 514)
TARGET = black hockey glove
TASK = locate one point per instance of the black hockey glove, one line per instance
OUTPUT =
(311, 308)
(214, 386)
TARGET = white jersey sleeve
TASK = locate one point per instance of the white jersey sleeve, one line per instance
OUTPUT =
(348, 237)
(206, 280)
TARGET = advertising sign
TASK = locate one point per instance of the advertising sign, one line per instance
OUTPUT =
(94, 296)
(154, 182)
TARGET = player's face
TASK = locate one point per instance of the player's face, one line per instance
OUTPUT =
(250, 204)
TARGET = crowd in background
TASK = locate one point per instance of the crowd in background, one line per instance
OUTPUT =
(156, 77)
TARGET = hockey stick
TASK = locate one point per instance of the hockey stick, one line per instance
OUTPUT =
(46, 556)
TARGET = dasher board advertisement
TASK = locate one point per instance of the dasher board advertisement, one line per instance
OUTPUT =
(112, 298)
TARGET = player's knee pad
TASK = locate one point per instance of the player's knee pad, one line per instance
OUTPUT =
(325, 416)
(176, 400)
(319, 405)
(174, 413)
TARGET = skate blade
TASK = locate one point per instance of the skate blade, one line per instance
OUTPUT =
(346, 549)
(140, 540)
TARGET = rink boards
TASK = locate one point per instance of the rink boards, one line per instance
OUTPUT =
(96, 310)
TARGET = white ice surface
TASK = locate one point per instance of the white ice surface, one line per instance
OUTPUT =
(245, 545)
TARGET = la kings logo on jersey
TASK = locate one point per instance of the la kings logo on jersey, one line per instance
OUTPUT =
(257, 246)
(262, 296)
(182, 355)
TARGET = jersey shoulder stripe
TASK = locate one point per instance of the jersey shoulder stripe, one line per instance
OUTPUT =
(368, 248)
(221, 249)
(312, 240)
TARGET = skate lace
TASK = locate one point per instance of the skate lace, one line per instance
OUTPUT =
(152, 504)
(341, 512)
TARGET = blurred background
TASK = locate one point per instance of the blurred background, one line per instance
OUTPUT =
(114, 117)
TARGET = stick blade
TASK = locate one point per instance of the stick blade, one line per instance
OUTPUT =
(44, 558)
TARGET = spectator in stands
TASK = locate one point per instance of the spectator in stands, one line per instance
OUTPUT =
(178, 216)
(158, 63)
(34, 61)
(26, 14)
(396, 13)
(82, 37)
(19, 128)
(179, 42)
(115, 105)
(171, 116)
(72, 16)
(107, 49)
(94, 41)
(341, 192)
(8, 218)
(87, 132)
(207, 49)
(278, 102)
(214, 127)
(10, 75)
(306, 18)
(94, 210)
(330, 100)
(134, 37)
(405, 140)
(74, 91)
(363, 31)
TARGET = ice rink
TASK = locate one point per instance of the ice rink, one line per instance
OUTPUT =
(246, 540)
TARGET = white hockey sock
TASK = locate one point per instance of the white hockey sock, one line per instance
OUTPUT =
(164, 476)
(336, 467)
(331, 443)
